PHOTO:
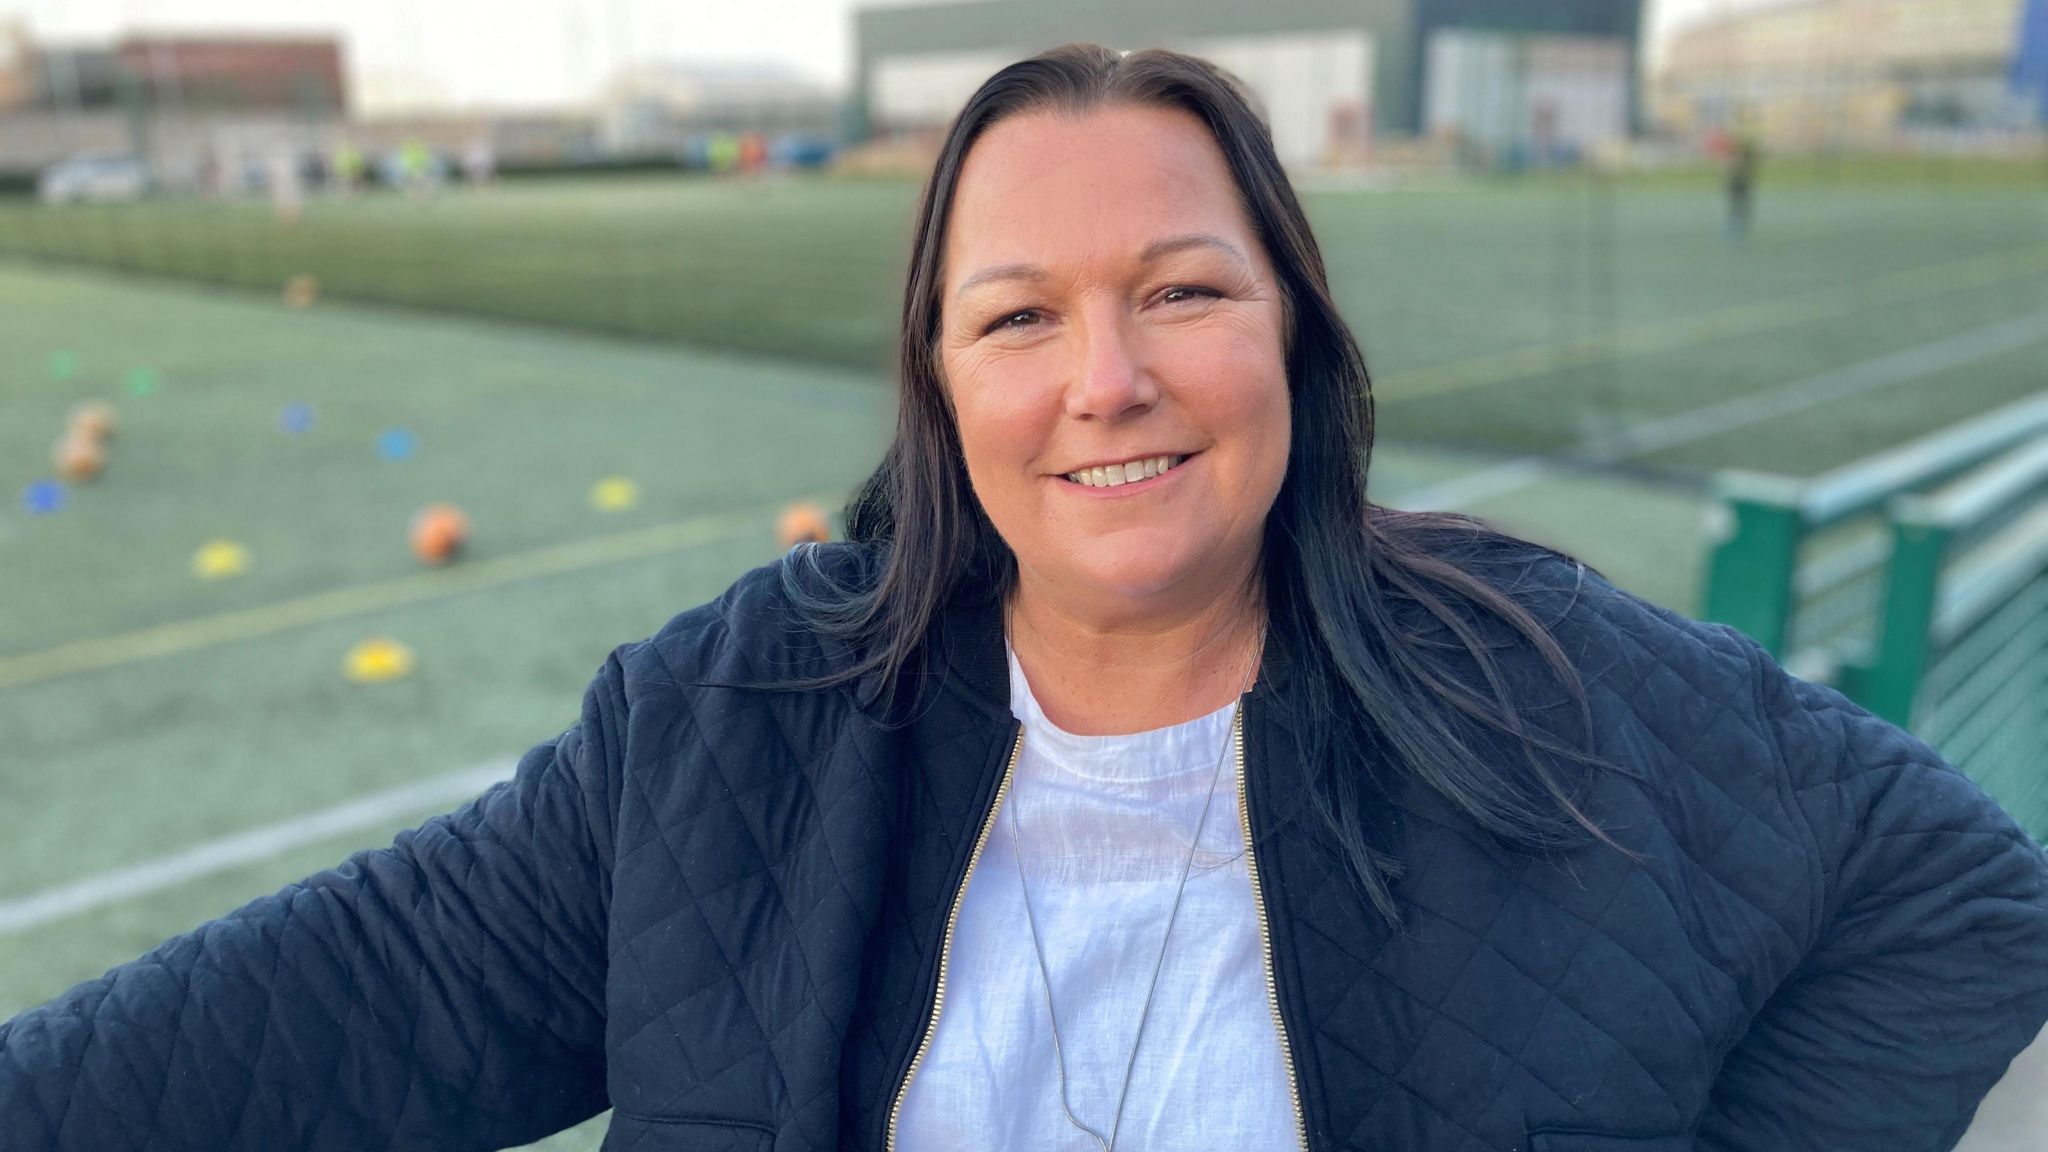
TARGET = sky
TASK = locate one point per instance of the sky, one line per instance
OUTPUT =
(445, 55)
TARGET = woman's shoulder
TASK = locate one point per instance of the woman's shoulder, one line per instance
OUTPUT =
(1701, 702)
(1605, 631)
(763, 631)
(1700, 694)
(1610, 632)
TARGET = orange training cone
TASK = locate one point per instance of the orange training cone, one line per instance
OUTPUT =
(439, 533)
(79, 460)
(802, 523)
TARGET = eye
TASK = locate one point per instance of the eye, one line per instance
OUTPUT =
(1192, 291)
(1003, 322)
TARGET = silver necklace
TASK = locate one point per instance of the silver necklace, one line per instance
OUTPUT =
(1108, 1144)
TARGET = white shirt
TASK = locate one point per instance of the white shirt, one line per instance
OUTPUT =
(1105, 826)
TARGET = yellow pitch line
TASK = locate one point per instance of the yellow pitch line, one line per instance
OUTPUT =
(1899, 287)
(341, 603)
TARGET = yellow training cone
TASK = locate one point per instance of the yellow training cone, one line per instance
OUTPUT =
(614, 494)
(377, 660)
(219, 560)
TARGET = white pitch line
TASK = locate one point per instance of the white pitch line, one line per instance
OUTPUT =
(1814, 391)
(1476, 487)
(251, 847)
(1738, 412)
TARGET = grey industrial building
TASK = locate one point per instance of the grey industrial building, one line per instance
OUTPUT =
(1379, 56)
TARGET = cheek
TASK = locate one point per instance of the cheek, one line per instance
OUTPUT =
(1245, 379)
(1277, 407)
(1269, 428)
(1002, 423)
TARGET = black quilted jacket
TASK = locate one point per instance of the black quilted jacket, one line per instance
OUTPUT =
(718, 909)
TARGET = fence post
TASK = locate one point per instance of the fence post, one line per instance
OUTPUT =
(1912, 591)
(1749, 582)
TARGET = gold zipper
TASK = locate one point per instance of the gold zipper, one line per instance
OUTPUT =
(931, 1025)
(1251, 863)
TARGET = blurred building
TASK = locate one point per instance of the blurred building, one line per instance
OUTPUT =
(241, 74)
(1502, 75)
(2030, 63)
(17, 86)
(245, 74)
(74, 78)
(1834, 73)
(198, 110)
(661, 109)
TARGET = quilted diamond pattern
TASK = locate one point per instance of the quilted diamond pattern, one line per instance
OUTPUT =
(1690, 995)
(716, 906)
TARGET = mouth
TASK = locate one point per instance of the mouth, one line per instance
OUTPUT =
(1126, 472)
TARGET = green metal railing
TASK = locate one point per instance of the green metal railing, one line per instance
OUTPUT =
(1916, 582)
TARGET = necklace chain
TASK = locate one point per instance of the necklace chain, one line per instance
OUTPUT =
(1108, 1144)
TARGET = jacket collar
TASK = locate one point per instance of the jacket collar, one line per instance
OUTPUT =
(970, 639)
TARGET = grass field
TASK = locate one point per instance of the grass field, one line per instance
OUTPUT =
(151, 714)
(1549, 279)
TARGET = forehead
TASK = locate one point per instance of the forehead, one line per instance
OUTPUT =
(1055, 188)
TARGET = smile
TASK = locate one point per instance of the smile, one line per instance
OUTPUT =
(1129, 472)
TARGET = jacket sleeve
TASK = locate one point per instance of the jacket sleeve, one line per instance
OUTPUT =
(446, 992)
(1929, 972)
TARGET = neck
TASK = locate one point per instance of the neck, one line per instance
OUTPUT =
(1096, 672)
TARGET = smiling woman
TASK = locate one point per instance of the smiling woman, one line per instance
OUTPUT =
(1464, 752)
(1148, 325)
(1128, 779)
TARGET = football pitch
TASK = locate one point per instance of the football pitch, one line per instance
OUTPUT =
(178, 745)
(1523, 316)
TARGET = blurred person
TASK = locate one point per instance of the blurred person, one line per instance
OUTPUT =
(231, 177)
(347, 168)
(1744, 152)
(313, 169)
(1126, 779)
(753, 153)
(723, 152)
(479, 163)
(281, 176)
(694, 153)
(209, 173)
(416, 167)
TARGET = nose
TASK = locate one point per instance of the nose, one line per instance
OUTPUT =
(1111, 382)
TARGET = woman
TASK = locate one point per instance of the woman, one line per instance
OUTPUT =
(969, 834)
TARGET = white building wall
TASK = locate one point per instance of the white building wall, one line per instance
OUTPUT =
(927, 89)
(1584, 81)
(1498, 89)
(1303, 83)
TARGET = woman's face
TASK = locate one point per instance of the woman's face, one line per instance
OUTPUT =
(1108, 309)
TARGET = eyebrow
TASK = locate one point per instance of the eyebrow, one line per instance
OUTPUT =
(1152, 252)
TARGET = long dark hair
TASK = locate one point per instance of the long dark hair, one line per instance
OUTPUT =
(1383, 621)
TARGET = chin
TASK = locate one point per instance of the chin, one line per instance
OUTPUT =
(1133, 571)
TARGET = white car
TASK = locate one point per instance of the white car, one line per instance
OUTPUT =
(97, 176)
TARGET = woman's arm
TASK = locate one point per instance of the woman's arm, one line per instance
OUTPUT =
(1931, 969)
(446, 992)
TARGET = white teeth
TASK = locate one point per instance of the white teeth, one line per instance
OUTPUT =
(1114, 475)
